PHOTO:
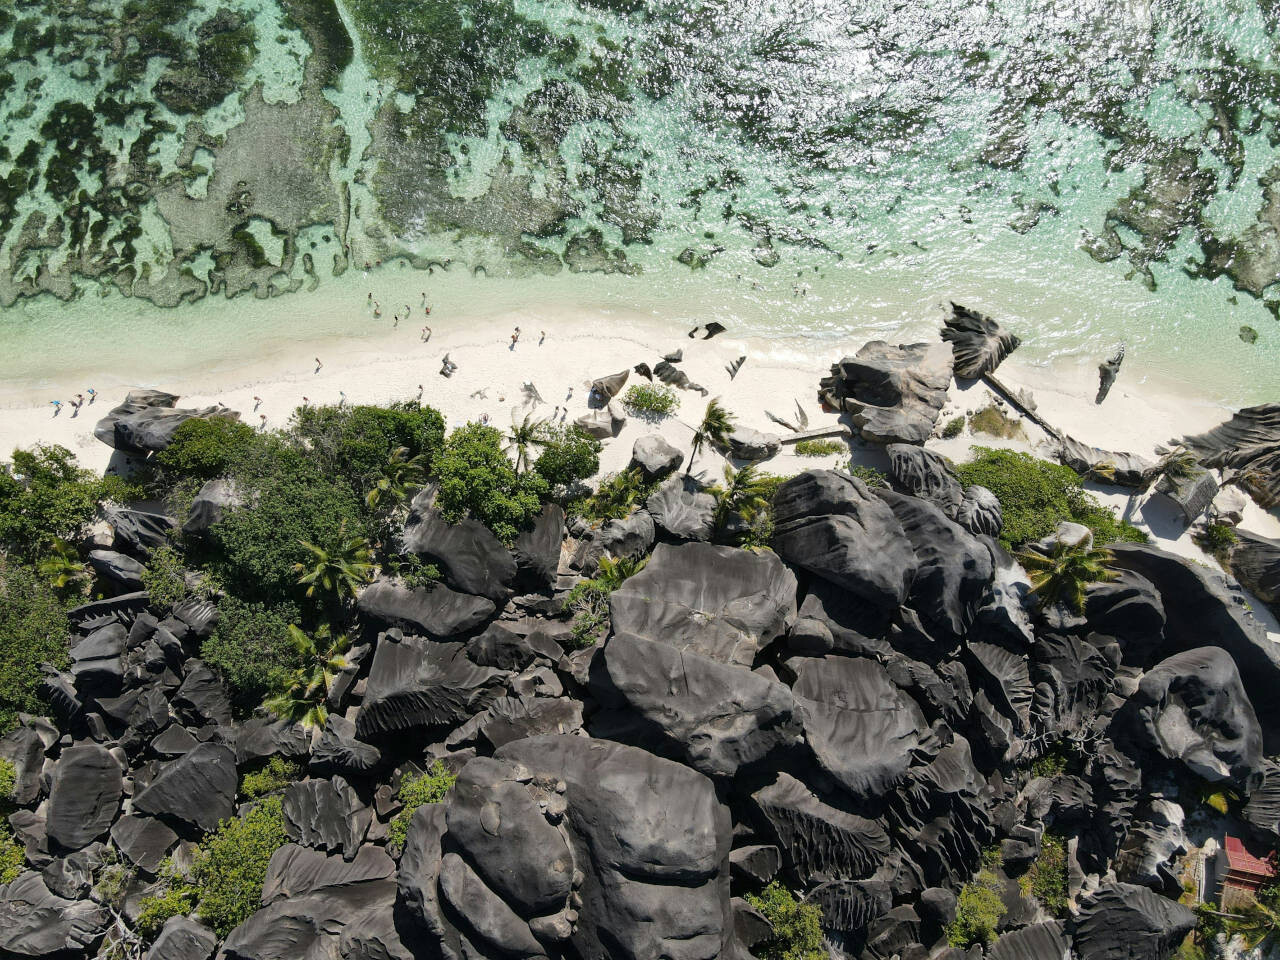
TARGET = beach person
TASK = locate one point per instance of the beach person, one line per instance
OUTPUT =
(542, 337)
(419, 391)
(93, 395)
(424, 298)
(306, 401)
(484, 419)
(342, 398)
(377, 309)
(57, 406)
(427, 308)
(569, 396)
(257, 402)
(371, 296)
(318, 364)
(397, 323)
(262, 424)
(556, 412)
(426, 334)
(406, 311)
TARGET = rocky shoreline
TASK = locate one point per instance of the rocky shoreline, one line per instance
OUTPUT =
(882, 709)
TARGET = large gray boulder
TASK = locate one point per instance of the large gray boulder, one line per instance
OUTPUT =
(831, 525)
(1106, 466)
(893, 393)
(471, 557)
(918, 472)
(339, 751)
(145, 841)
(420, 685)
(978, 342)
(211, 503)
(716, 717)
(196, 791)
(745, 443)
(434, 610)
(139, 531)
(84, 795)
(147, 420)
(35, 922)
(537, 550)
(719, 602)
(1248, 444)
(181, 938)
(603, 423)
(1255, 562)
(1122, 921)
(655, 457)
(681, 510)
(1192, 709)
(326, 815)
(863, 730)
(117, 569)
(629, 537)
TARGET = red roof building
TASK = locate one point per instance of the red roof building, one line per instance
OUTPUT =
(1245, 873)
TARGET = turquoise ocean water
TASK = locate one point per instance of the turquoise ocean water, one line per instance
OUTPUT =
(189, 180)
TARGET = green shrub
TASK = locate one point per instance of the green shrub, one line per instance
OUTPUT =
(355, 442)
(589, 600)
(294, 500)
(204, 448)
(1053, 763)
(429, 787)
(616, 496)
(12, 857)
(995, 422)
(412, 569)
(868, 475)
(33, 629)
(568, 456)
(1048, 875)
(231, 864)
(8, 780)
(819, 448)
(1217, 539)
(45, 495)
(650, 401)
(177, 901)
(276, 775)
(797, 927)
(164, 577)
(476, 477)
(953, 429)
(251, 650)
(979, 909)
(1035, 496)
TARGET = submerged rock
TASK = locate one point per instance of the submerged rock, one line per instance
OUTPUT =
(1108, 370)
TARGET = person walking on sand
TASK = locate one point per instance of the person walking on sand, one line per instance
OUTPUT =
(57, 407)
(569, 396)
(426, 334)
(318, 364)
(397, 323)
(542, 338)
(262, 424)
(427, 309)
(93, 395)
(257, 402)
(419, 391)
(342, 398)
(377, 309)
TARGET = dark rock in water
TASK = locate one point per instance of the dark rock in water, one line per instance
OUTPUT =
(258, 738)
(719, 602)
(198, 790)
(751, 445)
(1108, 370)
(655, 457)
(419, 685)
(147, 421)
(864, 731)
(1201, 607)
(137, 531)
(37, 923)
(606, 388)
(1192, 709)
(1106, 466)
(979, 343)
(326, 815)
(84, 796)
(144, 841)
(680, 510)
(832, 526)
(717, 717)
(472, 558)
(183, 939)
(893, 393)
(1255, 562)
(537, 551)
(1249, 444)
(644, 832)
(954, 567)
(435, 610)
(118, 569)
(215, 498)
(339, 752)
(1126, 922)
(1248, 334)
(819, 841)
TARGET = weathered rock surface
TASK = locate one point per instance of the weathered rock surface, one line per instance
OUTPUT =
(326, 815)
(434, 610)
(183, 939)
(680, 510)
(720, 602)
(84, 795)
(1255, 562)
(537, 551)
(117, 568)
(978, 342)
(472, 558)
(215, 498)
(37, 923)
(1248, 444)
(1106, 466)
(147, 420)
(655, 457)
(197, 790)
(893, 393)
(744, 443)
(1126, 922)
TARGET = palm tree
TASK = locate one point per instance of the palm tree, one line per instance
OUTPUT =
(716, 425)
(396, 476)
(525, 435)
(340, 572)
(744, 493)
(611, 572)
(62, 567)
(304, 699)
(1062, 575)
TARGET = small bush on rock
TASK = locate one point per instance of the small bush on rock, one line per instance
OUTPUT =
(953, 429)
(1048, 875)
(231, 865)
(177, 901)
(276, 775)
(429, 787)
(164, 578)
(979, 909)
(797, 926)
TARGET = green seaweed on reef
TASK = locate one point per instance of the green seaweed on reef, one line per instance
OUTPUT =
(321, 23)
(210, 72)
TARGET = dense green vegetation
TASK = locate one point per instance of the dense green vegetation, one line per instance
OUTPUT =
(979, 907)
(429, 787)
(568, 457)
(33, 629)
(1064, 574)
(251, 649)
(205, 448)
(1046, 880)
(616, 496)
(650, 401)
(819, 448)
(275, 775)
(588, 601)
(476, 477)
(953, 429)
(1035, 496)
(797, 926)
